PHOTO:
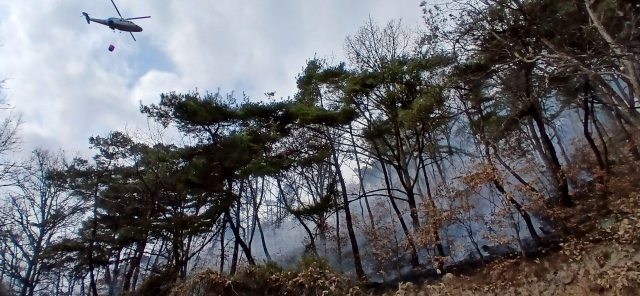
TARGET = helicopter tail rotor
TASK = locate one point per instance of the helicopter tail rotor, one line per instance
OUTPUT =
(86, 16)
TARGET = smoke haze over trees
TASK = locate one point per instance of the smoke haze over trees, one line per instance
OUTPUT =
(451, 142)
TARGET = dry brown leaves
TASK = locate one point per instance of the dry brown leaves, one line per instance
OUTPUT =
(611, 266)
(252, 281)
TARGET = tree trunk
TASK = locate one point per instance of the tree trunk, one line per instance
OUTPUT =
(496, 182)
(521, 210)
(338, 238)
(558, 174)
(516, 227)
(94, 231)
(562, 186)
(243, 246)
(312, 241)
(563, 152)
(434, 224)
(631, 144)
(587, 134)
(345, 199)
(605, 149)
(510, 199)
(605, 139)
(405, 179)
(264, 244)
(360, 177)
(475, 244)
(133, 266)
(436, 161)
(537, 146)
(415, 261)
(513, 173)
(234, 257)
(222, 249)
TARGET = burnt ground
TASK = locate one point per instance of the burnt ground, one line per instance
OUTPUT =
(595, 252)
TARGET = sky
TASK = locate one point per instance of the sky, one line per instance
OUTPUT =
(67, 86)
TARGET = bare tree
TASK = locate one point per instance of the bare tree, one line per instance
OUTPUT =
(37, 212)
(9, 139)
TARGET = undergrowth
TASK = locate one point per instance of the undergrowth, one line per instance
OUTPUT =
(599, 251)
(310, 276)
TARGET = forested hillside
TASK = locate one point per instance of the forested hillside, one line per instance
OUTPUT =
(498, 128)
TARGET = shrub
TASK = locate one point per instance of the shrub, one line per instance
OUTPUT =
(311, 275)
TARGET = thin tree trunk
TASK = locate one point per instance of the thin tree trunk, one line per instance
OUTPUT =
(516, 227)
(537, 146)
(607, 142)
(360, 177)
(243, 246)
(556, 169)
(631, 144)
(222, 249)
(352, 237)
(133, 266)
(264, 244)
(605, 148)
(496, 182)
(434, 224)
(623, 132)
(587, 134)
(338, 238)
(322, 235)
(415, 261)
(236, 228)
(475, 244)
(234, 257)
(558, 174)
(525, 215)
(436, 161)
(94, 231)
(559, 142)
(116, 272)
(405, 179)
(513, 173)
(108, 281)
(312, 241)
(521, 210)
(256, 204)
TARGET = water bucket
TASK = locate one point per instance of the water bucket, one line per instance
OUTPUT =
(111, 47)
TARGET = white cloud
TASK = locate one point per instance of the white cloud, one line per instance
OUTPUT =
(69, 86)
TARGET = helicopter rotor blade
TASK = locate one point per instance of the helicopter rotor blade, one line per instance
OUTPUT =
(134, 38)
(135, 18)
(114, 5)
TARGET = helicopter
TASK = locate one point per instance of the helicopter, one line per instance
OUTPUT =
(122, 24)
